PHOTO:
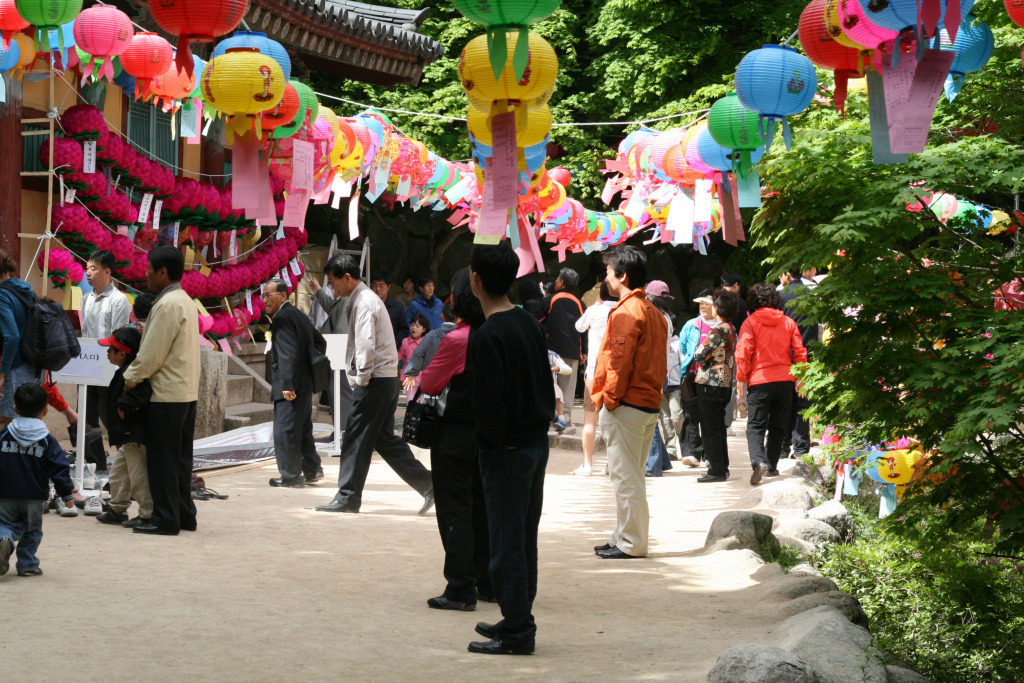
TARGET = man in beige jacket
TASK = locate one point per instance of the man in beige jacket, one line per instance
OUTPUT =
(169, 359)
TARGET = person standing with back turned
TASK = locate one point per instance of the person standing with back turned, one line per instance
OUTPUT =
(169, 359)
(513, 399)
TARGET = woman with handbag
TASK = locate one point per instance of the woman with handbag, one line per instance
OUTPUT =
(458, 488)
(694, 333)
(716, 370)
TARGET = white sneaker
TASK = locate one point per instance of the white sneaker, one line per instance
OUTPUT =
(93, 507)
(690, 461)
(570, 428)
(582, 471)
(89, 480)
(65, 511)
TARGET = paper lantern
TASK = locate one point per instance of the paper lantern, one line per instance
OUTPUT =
(104, 32)
(533, 89)
(10, 56)
(284, 111)
(261, 42)
(28, 52)
(241, 84)
(734, 126)
(1015, 8)
(538, 125)
(973, 47)
(834, 26)
(776, 81)
(561, 176)
(899, 15)
(10, 22)
(825, 52)
(147, 57)
(718, 157)
(196, 21)
(172, 86)
(692, 152)
(47, 15)
(309, 107)
(506, 12)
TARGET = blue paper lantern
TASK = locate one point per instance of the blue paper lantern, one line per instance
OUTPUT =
(261, 42)
(718, 157)
(897, 15)
(973, 47)
(10, 57)
(776, 81)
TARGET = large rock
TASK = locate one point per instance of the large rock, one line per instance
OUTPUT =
(740, 529)
(837, 649)
(844, 602)
(793, 586)
(805, 569)
(811, 473)
(803, 548)
(779, 495)
(761, 664)
(213, 388)
(898, 674)
(836, 516)
(812, 531)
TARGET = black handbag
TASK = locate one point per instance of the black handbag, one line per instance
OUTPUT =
(422, 422)
(688, 387)
(319, 364)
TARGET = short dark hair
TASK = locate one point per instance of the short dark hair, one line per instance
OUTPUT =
(763, 296)
(422, 320)
(130, 336)
(143, 305)
(424, 280)
(409, 278)
(569, 277)
(606, 295)
(528, 289)
(707, 291)
(663, 303)
(726, 303)
(341, 264)
(464, 305)
(630, 261)
(276, 285)
(30, 400)
(796, 274)
(104, 258)
(446, 311)
(381, 276)
(730, 278)
(169, 258)
(497, 265)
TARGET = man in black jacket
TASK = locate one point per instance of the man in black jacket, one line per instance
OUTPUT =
(800, 433)
(292, 391)
(561, 311)
(380, 283)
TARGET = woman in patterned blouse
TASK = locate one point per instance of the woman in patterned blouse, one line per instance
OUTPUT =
(715, 376)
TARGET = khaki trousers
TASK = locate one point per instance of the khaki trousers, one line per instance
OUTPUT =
(129, 478)
(628, 433)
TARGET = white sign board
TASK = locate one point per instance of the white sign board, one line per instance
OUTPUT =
(336, 346)
(91, 367)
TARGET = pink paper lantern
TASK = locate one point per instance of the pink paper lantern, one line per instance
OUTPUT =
(104, 32)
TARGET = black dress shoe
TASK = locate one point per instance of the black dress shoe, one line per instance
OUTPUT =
(760, 470)
(428, 502)
(599, 548)
(337, 505)
(614, 553)
(442, 602)
(771, 473)
(315, 476)
(487, 630)
(153, 529)
(709, 478)
(499, 647)
(293, 482)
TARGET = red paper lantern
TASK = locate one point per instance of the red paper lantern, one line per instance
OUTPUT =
(147, 57)
(1015, 8)
(104, 32)
(10, 21)
(561, 176)
(196, 21)
(285, 110)
(825, 52)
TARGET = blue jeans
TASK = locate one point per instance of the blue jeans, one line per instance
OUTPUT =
(513, 482)
(658, 458)
(21, 520)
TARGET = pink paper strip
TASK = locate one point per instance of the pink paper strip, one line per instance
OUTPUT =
(267, 210)
(910, 135)
(245, 172)
(504, 176)
(295, 205)
(732, 226)
(616, 165)
(491, 226)
(457, 216)
(302, 165)
(611, 186)
(896, 84)
(224, 346)
(353, 216)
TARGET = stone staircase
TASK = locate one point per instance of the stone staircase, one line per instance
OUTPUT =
(247, 401)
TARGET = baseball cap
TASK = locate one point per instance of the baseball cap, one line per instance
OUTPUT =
(126, 339)
(658, 288)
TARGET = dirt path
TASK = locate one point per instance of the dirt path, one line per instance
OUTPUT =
(267, 589)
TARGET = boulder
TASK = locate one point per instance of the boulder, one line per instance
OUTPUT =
(740, 529)
(803, 548)
(836, 649)
(793, 586)
(779, 495)
(761, 664)
(836, 515)
(898, 674)
(805, 569)
(812, 531)
(786, 516)
(844, 602)
(811, 473)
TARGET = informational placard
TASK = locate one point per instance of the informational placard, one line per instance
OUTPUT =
(337, 344)
(91, 367)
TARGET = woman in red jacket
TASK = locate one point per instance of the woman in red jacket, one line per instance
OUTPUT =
(768, 347)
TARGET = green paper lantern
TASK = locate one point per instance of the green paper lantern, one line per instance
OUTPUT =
(506, 12)
(307, 101)
(48, 15)
(735, 127)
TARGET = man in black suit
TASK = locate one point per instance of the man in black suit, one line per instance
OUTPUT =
(292, 392)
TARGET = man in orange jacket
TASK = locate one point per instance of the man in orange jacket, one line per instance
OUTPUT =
(627, 390)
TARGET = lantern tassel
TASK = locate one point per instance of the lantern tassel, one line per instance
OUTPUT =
(7, 35)
(888, 500)
(787, 135)
(497, 49)
(43, 38)
(183, 59)
(842, 88)
(954, 83)
(521, 57)
(106, 70)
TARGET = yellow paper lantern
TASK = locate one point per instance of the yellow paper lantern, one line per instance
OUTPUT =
(28, 53)
(897, 467)
(537, 126)
(242, 83)
(532, 90)
(834, 26)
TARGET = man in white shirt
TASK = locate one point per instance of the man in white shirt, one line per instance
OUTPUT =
(104, 309)
(371, 358)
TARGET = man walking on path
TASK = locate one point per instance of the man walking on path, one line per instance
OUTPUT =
(292, 392)
(627, 391)
(799, 433)
(372, 361)
(561, 311)
(336, 323)
(514, 399)
(169, 359)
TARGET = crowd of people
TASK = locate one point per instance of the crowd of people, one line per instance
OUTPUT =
(502, 369)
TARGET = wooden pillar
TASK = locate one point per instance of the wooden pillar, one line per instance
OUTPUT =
(13, 146)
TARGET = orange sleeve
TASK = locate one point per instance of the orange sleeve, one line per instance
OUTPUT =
(744, 353)
(617, 354)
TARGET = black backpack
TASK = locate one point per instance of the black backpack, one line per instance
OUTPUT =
(48, 341)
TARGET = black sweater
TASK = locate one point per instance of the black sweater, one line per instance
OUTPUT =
(561, 311)
(513, 389)
(133, 404)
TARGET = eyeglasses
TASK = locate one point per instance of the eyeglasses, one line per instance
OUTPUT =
(267, 295)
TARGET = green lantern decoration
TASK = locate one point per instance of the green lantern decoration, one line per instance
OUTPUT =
(735, 127)
(501, 16)
(307, 102)
(48, 15)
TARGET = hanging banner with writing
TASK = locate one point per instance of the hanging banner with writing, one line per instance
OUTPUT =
(910, 135)
(881, 148)
(302, 165)
(504, 174)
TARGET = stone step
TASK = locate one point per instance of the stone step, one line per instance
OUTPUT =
(240, 389)
(247, 414)
(573, 442)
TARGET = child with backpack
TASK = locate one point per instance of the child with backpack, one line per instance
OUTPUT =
(129, 476)
(29, 458)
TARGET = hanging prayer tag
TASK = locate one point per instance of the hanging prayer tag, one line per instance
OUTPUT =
(89, 156)
(144, 207)
(158, 207)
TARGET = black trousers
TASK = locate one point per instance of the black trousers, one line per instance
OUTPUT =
(514, 492)
(170, 428)
(370, 426)
(768, 411)
(713, 401)
(96, 414)
(799, 433)
(461, 513)
(692, 445)
(293, 437)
